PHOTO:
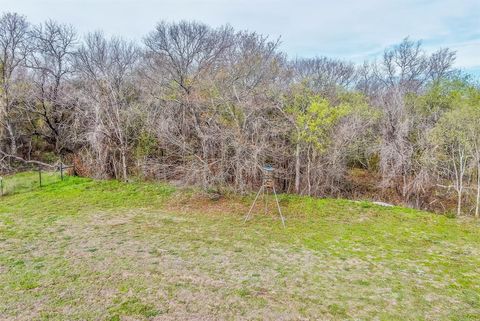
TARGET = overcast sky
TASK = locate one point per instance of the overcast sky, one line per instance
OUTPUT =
(350, 29)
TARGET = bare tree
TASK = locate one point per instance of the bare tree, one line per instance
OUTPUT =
(51, 62)
(106, 68)
(13, 50)
(188, 51)
(324, 75)
(440, 64)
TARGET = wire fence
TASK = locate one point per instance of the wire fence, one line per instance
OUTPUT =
(30, 178)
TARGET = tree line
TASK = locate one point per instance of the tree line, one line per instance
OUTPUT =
(210, 106)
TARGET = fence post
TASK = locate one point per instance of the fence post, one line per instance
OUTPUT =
(1, 186)
(40, 175)
(61, 171)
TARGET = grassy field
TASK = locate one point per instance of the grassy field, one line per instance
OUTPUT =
(104, 250)
(27, 181)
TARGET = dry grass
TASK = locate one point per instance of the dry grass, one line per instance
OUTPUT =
(84, 250)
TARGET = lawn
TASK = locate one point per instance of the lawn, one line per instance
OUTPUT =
(103, 250)
(27, 181)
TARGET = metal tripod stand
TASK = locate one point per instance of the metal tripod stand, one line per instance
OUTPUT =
(267, 184)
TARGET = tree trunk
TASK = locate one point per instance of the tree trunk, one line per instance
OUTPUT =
(124, 165)
(459, 193)
(297, 169)
(459, 203)
(477, 204)
(13, 141)
(459, 171)
(309, 162)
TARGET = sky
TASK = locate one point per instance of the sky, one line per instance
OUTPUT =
(354, 30)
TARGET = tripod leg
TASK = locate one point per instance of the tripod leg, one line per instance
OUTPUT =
(253, 204)
(278, 206)
(265, 195)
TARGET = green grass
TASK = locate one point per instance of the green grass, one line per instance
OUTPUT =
(28, 181)
(104, 250)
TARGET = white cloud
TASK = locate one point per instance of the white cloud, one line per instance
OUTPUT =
(468, 54)
(352, 29)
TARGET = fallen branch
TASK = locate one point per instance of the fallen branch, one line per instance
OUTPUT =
(5, 155)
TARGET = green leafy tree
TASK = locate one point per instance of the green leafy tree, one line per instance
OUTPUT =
(313, 118)
(457, 140)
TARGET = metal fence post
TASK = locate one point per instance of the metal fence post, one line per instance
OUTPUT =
(40, 175)
(61, 171)
(1, 186)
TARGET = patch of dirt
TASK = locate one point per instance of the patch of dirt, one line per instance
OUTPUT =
(203, 203)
